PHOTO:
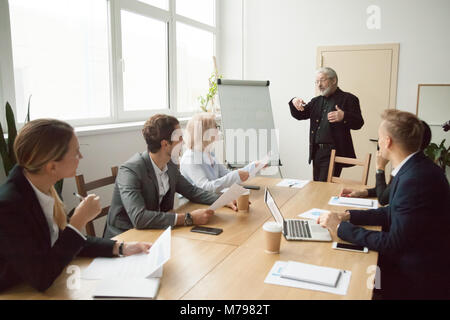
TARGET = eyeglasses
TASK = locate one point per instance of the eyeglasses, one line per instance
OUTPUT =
(321, 80)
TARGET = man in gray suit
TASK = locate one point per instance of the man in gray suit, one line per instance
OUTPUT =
(146, 184)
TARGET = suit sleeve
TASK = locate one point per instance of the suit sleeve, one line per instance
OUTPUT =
(406, 224)
(352, 113)
(194, 193)
(130, 189)
(300, 115)
(97, 247)
(35, 264)
(382, 189)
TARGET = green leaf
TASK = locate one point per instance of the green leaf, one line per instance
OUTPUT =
(12, 132)
(4, 152)
(27, 118)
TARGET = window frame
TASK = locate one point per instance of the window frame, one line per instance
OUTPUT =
(117, 112)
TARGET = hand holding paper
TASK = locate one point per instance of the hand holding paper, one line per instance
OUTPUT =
(229, 196)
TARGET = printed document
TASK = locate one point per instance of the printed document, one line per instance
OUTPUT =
(293, 183)
(230, 195)
(136, 266)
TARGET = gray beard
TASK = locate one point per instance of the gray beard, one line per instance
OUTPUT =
(326, 92)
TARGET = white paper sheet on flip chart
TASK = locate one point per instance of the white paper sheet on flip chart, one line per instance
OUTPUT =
(274, 277)
(354, 202)
(293, 183)
(135, 266)
(230, 195)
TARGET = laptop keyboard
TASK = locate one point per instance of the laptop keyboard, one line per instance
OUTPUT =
(299, 229)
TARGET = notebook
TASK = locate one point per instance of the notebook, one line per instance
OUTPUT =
(125, 288)
(311, 273)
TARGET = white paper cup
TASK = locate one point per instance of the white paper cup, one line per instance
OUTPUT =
(272, 235)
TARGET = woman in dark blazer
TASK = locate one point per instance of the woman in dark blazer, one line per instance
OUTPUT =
(36, 240)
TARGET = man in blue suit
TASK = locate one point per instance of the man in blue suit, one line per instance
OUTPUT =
(414, 247)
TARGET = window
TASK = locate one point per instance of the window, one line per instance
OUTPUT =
(104, 61)
(144, 63)
(199, 10)
(60, 53)
(195, 48)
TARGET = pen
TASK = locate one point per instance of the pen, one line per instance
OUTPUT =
(78, 196)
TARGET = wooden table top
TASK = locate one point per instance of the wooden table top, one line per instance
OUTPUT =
(232, 265)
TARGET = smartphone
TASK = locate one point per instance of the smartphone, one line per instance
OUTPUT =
(349, 247)
(252, 187)
(214, 231)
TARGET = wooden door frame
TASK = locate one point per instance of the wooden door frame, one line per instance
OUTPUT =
(394, 47)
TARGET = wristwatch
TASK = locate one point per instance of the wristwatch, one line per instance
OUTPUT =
(188, 221)
(121, 249)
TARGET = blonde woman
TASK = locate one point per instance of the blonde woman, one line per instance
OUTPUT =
(36, 240)
(198, 164)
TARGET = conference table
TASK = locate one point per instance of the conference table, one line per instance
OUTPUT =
(233, 265)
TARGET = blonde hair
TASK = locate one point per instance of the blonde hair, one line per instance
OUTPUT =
(404, 128)
(197, 136)
(39, 142)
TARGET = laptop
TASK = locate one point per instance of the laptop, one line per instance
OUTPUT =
(296, 229)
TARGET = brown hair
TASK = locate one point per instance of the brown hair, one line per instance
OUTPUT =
(404, 128)
(196, 128)
(157, 128)
(39, 142)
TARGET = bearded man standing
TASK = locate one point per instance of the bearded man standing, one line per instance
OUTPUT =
(332, 115)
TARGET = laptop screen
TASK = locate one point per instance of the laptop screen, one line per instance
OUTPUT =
(270, 202)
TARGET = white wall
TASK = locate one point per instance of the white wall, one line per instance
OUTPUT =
(281, 38)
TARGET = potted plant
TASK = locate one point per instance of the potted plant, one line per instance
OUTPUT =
(7, 147)
(210, 97)
(439, 154)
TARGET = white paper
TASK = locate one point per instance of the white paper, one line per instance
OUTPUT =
(293, 183)
(274, 277)
(135, 266)
(127, 288)
(230, 195)
(262, 164)
(334, 201)
(312, 214)
(357, 201)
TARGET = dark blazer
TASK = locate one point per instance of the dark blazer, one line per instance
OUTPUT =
(340, 130)
(135, 202)
(381, 190)
(26, 254)
(415, 248)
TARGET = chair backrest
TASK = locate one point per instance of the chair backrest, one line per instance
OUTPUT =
(84, 187)
(364, 163)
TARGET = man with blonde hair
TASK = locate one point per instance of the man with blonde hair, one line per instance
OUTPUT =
(414, 250)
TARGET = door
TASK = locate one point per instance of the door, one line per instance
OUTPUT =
(370, 73)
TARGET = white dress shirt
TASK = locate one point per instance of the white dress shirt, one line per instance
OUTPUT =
(397, 169)
(163, 183)
(47, 204)
(202, 170)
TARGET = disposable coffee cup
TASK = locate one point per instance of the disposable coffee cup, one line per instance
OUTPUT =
(272, 235)
(242, 201)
